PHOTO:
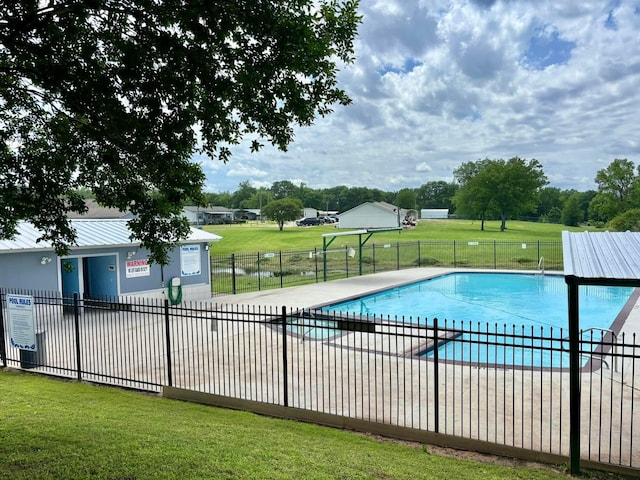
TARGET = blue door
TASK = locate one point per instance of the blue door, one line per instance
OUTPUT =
(70, 279)
(100, 277)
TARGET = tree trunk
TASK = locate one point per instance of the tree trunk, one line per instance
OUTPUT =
(503, 224)
(482, 222)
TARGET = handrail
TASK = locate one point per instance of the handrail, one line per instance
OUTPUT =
(615, 344)
(541, 265)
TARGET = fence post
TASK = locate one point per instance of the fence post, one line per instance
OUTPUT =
(233, 273)
(76, 323)
(285, 373)
(373, 253)
(259, 276)
(454, 254)
(495, 258)
(574, 378)
(167, 333)
(3, 346)
(419, 259)
(397, 255)
(281, 273)
(346, 260)
(436, 373)
(315, 256)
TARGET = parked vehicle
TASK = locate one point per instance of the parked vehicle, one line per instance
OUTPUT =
(310, 221)
(329, 219)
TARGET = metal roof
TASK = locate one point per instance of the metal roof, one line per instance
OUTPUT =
(602, 257)
(90, 234)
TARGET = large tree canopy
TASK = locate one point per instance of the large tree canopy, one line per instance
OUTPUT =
(506, 187)
(116, 96)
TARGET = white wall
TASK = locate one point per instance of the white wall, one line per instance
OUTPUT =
(434, 213)
(369, 216)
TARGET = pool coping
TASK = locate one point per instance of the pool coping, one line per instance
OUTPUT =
(317, 295)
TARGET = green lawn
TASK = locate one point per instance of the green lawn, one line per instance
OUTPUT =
(265, 237)
(53, 429)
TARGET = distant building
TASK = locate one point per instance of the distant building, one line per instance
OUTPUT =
(434, 213)
(310, 212)
(97, 211)
(195, 215)
(373, 215)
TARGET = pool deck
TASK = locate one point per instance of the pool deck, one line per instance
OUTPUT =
(319, 294)
(548, 391)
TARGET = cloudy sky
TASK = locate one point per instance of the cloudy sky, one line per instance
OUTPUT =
(437, 83)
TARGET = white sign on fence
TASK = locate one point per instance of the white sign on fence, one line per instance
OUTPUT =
(22, 328)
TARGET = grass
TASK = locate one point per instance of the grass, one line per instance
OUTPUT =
(53, 429)
(265, 237)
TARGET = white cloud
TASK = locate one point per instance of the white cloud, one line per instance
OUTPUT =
(438, 83)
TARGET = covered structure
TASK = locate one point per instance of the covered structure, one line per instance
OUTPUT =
(603, 258)
(105, 263)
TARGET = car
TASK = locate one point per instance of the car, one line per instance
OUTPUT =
(328, 219)
(309, 221)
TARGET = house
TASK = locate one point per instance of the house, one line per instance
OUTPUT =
(195, 215)
(373, 215)
(95, 210)
(105, 263)
(217, 215)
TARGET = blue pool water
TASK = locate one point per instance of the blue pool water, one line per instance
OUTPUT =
(497, 302)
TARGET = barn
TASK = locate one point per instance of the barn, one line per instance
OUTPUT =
(105, 263)
(373, 215)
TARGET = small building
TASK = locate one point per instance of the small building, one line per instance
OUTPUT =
(195, 215)
(431, 213)
(95, 210)
(310, 212)
(218, 215)
(105, 263)
(373, 215)
(246, 214)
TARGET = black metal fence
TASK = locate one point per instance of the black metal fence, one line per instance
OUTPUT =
(504, 388)
(248, 272)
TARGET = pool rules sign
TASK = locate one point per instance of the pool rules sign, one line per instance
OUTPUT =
(22, 327)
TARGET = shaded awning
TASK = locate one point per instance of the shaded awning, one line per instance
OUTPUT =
(602, 258)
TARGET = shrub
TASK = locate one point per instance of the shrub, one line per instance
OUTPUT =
(425, 261)
(523, 260)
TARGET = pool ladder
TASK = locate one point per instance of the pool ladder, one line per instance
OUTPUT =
(602, 355)
(541, 265)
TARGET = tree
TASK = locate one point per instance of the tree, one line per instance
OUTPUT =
(473, 198)
(284, 189)
(261, 197)
(616, 184)
(572, 215)
(406, 198)
(508, 187)
(549, 198)
(245, 192)
(117, 96)
(629, 220)
(218, 199)
(283, 210)
(437, 194)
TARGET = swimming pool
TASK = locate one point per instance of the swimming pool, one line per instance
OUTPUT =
(498, 303)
